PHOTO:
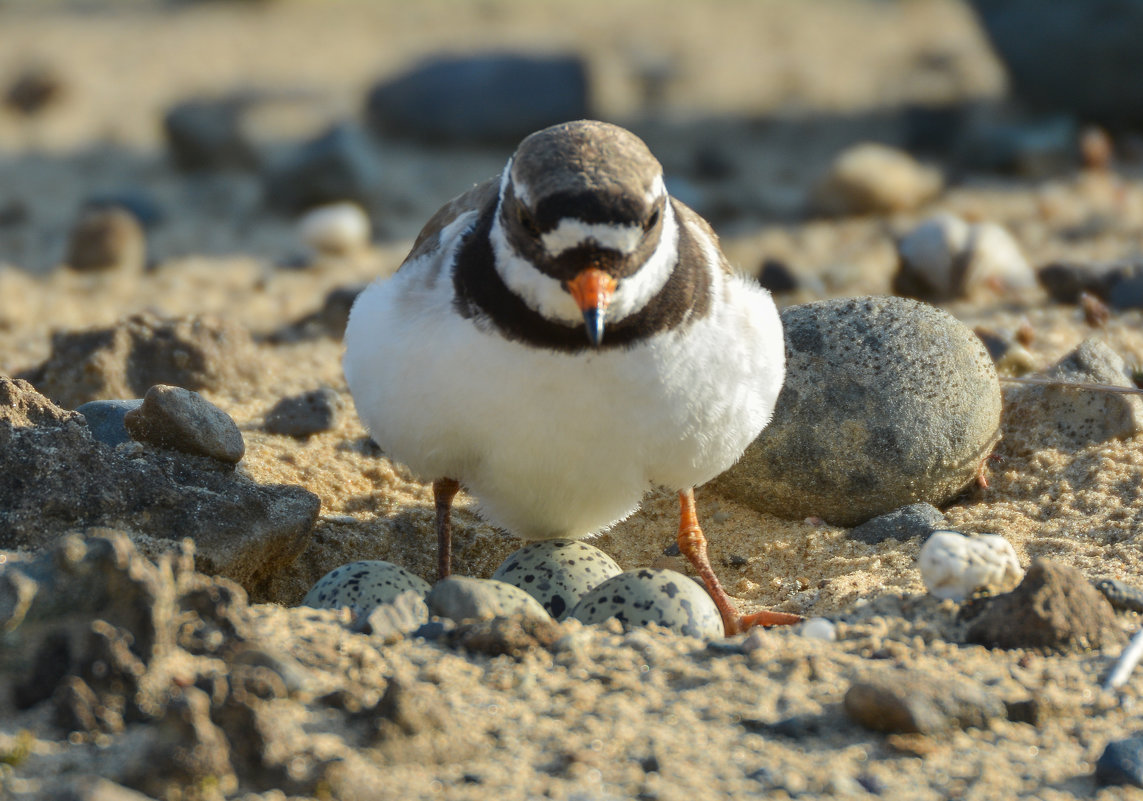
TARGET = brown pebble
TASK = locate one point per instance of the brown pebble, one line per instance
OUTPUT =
(106, 239)
(1095, 311)
(1095, 148)
(182, 420)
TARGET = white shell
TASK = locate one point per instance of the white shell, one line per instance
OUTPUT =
(954, 566)
(338, 229)
(363, 586)
(639, 597)
(557, 573)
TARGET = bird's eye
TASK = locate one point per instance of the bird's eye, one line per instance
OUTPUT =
(652, 221)
(526, 221)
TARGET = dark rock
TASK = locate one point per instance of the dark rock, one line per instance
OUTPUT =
(208, 135)
(338, 166)
(34, 89)
(1126, 290)
(480, 98)
(1055, 609)
(914, 520)
(1121, 596)
(140, 204)
(125, 360)
(916, 702)
(55, 478)
(1071, 56)
(302, 415)
(887, 402)
(777, 277)
(334, 312)
(997, 345)
(182, 420)
(1065, 281)
(106, 239)
(105, 419)
(1121, 762)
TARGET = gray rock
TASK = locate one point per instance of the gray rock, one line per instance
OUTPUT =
(462, 598)
(55, 478)
(1065, 281)
(1070, 56)
(481, 98)
(870, 178)
(208, 135)
(399, 618)
(106, 239)
(1126, 290)
(338, 166)
(302, 415)
(334, 312)
(664, 597)
(918, 702)
(1039, 416)
(105, 419)
(557, 573)
(1055, 609)
(887, 402)
(364, 585)
(914, 520)
(1121, 596)
(124, 361)
(183, 420)
(1121, 762)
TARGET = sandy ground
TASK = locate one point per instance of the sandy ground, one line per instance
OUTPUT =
(778, 87)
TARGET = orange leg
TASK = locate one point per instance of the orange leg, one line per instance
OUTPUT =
(444, 489)
(692, 544)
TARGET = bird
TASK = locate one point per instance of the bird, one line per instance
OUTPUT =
(562, 339)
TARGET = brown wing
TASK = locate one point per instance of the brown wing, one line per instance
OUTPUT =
(428, 240)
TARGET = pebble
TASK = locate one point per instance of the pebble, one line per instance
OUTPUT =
(337, 167)
(486, 97)
(914, 520)
(819, 628)
(182, 420)
(302, 415)
(921, 702)
(776, 276)
(1121, 762)
(106, 239)
(1126, 290)
(105, 419)
(34, 89)
(1039, 416)
(945, 258)
(1055, 608)
(1010, 357)
(363, 586)
(208, 135)
(664, 597)
(1121, 596)
(339, 229)
(887, 402)
(557, 573)
(398, 618)
(954, 566)
(870, 178)
(461, 598)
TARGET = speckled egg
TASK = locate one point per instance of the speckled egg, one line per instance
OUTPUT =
(557, 573)
(639, 597)
(363, 586)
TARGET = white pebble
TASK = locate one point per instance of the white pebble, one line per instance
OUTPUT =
(950, 258)
(819, 628)
(954, 566)
(338, 229)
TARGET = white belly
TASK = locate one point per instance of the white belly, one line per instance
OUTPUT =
(554, 444)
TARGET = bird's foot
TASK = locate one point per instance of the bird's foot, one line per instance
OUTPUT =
(764, 618)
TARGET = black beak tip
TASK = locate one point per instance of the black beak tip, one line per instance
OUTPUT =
(593, 322)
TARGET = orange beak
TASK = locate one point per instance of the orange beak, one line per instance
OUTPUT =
(592, 290)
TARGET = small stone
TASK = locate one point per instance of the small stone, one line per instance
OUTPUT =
(776, 276)
(339, 229)
(363, 586)
(462, 598)
(871, 178)
(208, 135)
(1010, 358)
(954, 566)
(338, 166)
(105, 419)
(1055, 608)
(1096, 149)
(1121, 762)
(34, 89)
(1126, 290)
(488, 97)
(914, 520)
(916, 702)
(302, 415)
(819, 628)
(1040, 416)
(335, 310)
(106, 239)
(887, 402)
(664, 597)
(1121, 596)
(399, 618)
(557, 573)
(1065, 281)
(182, 420)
